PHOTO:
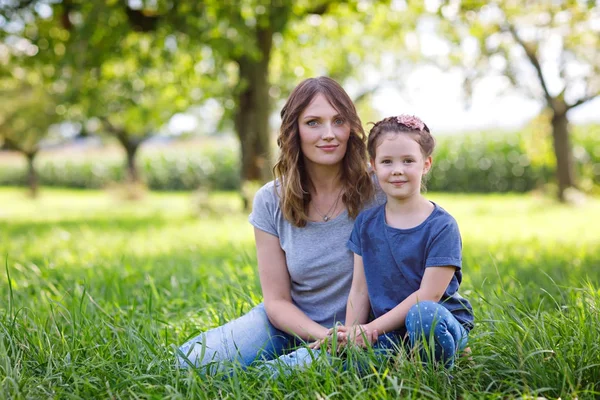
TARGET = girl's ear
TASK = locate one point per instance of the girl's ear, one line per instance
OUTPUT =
(427, 165)
(372, 162)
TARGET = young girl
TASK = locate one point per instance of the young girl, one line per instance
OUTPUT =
(407, 253)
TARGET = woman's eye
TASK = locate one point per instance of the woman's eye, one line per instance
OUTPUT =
(339, 121)
(311, 123)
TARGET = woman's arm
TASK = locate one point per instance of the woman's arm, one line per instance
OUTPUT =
(275, 283)
(357, 308)
(434, 284)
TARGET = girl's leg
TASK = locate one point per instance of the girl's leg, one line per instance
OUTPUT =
(242, 340)
(430, 320)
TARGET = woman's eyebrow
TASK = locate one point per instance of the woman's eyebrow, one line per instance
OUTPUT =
(320, 116)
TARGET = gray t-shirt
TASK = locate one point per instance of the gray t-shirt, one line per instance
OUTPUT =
(318, 261)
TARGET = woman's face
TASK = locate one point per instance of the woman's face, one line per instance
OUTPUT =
(324, 133)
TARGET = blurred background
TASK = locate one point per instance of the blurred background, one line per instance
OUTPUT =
(169, 95)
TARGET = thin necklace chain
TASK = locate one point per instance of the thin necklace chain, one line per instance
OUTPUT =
(327, 216)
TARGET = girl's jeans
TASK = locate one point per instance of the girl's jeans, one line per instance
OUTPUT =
(252, 338)
(439, 334)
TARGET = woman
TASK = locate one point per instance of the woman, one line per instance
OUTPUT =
(302, 221)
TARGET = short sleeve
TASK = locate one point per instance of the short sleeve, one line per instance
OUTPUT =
(264, 209)
(446, 247)
(354, 243)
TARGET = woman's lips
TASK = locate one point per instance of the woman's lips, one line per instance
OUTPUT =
(328, 148)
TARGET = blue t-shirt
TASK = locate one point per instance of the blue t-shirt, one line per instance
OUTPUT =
(395, 259)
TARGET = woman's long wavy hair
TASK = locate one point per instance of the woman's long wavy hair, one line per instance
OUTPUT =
(290, 171)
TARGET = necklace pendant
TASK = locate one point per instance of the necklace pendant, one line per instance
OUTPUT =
(326, 218)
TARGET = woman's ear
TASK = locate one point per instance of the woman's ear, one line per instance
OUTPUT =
(427, 165)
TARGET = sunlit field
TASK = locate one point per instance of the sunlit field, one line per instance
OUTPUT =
(96, 291)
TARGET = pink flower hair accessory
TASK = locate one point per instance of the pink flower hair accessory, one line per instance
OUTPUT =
(410, 121)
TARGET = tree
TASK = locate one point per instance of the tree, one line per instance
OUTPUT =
(242, 38)
(108, 67)
(135, 94)
(26, 114)
(548, 49)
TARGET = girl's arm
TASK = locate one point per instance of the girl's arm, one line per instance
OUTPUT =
(434, 284)
(357, 308)
(275, 284)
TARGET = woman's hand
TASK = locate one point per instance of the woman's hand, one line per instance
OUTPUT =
(342, 336)
(331, 341)
(359, 335)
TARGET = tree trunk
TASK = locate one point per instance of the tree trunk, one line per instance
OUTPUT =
(32, 177)
(252, 114)
(132, 171)
(565, 173)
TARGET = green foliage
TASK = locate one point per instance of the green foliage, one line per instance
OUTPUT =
(508, 162)
(476, 162)
(96, 292)
(26, 113)
(169, 170)
(487, 162)
(587, 153)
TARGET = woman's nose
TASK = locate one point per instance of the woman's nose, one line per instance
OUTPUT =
(328, 132)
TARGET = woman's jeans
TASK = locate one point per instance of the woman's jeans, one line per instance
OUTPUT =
(252, 338)
(245, 340)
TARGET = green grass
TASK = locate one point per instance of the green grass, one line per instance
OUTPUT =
(96, 291)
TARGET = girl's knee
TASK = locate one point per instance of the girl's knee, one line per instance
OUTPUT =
(421, 313)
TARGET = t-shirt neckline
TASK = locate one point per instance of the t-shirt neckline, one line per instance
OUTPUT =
(414, 228)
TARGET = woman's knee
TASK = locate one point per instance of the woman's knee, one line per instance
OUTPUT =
(241, 340)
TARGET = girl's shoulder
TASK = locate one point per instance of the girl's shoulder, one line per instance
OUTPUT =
(442, 219)
(440, 213)
(369, 213)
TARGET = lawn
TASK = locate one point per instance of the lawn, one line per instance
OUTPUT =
(96, 291)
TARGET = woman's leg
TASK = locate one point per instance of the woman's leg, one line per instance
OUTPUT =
(299, 359)
(430, 320)
(243, 340)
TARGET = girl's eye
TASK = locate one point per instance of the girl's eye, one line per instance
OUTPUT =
(311, 123)
(408, 161)
(386, 161)
(339, 121)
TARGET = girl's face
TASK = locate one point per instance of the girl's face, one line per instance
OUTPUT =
(324, 133)
(400, 165)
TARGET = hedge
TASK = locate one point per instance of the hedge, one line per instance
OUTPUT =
(477, 162)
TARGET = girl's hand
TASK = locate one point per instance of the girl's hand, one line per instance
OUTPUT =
(360, 335)
(332, 342)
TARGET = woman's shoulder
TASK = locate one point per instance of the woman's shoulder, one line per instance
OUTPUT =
(265, 209)
(379, 196)
(269, 192)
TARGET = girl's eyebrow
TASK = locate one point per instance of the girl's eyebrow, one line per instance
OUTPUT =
(398, 155)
